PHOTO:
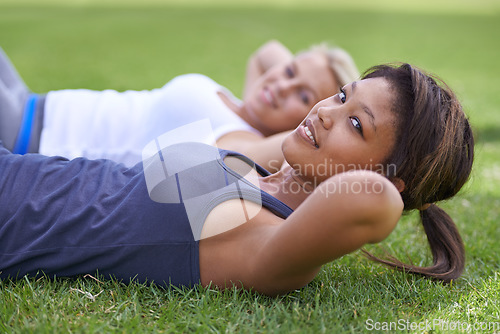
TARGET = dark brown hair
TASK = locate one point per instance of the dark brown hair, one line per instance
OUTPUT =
(433, 155)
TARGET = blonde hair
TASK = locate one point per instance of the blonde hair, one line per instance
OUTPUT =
(340, 61)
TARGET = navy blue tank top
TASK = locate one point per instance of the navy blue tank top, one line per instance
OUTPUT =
(67, 218)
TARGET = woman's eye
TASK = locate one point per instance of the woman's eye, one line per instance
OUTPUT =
(357, 124)
(342, 95)
(289, 72)
(304, 98)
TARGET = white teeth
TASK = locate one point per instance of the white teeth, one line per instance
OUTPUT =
(309, 133)
(268, 96)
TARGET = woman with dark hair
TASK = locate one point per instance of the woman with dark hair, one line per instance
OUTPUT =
(394, 141)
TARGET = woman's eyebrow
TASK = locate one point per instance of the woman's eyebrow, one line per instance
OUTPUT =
(365, 108)
(370, 114)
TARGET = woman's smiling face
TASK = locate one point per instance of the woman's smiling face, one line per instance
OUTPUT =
(354, 129)
(281, 98)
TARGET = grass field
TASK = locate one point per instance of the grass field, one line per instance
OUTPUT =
(141, 45)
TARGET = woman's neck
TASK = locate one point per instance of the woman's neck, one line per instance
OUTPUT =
(241, 110)
(287, 186)
(231, 103)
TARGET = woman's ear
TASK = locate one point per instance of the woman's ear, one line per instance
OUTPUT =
(398, 183)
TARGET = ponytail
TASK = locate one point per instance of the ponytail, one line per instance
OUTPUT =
(446, 245)
(433, 156)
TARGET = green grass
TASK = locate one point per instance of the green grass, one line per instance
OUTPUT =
(141, 45)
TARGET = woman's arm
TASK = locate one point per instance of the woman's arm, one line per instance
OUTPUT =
(268, 55)
(344, 213)
(275, 256)
(265, 151)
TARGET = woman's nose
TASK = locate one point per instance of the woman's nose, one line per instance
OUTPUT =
(284, 87)
(326, 116)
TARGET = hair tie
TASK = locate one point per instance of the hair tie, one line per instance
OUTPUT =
(424, 207)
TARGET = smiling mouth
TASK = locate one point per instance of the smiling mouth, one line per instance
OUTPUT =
(308, 129)
(268, 97)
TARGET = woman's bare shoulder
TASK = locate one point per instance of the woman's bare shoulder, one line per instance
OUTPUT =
(364, 197)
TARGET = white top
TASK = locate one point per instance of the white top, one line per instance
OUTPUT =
(118, 125)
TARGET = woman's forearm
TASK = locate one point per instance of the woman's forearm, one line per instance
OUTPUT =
(265, 151)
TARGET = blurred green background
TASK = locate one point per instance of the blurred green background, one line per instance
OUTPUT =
(57, 44)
